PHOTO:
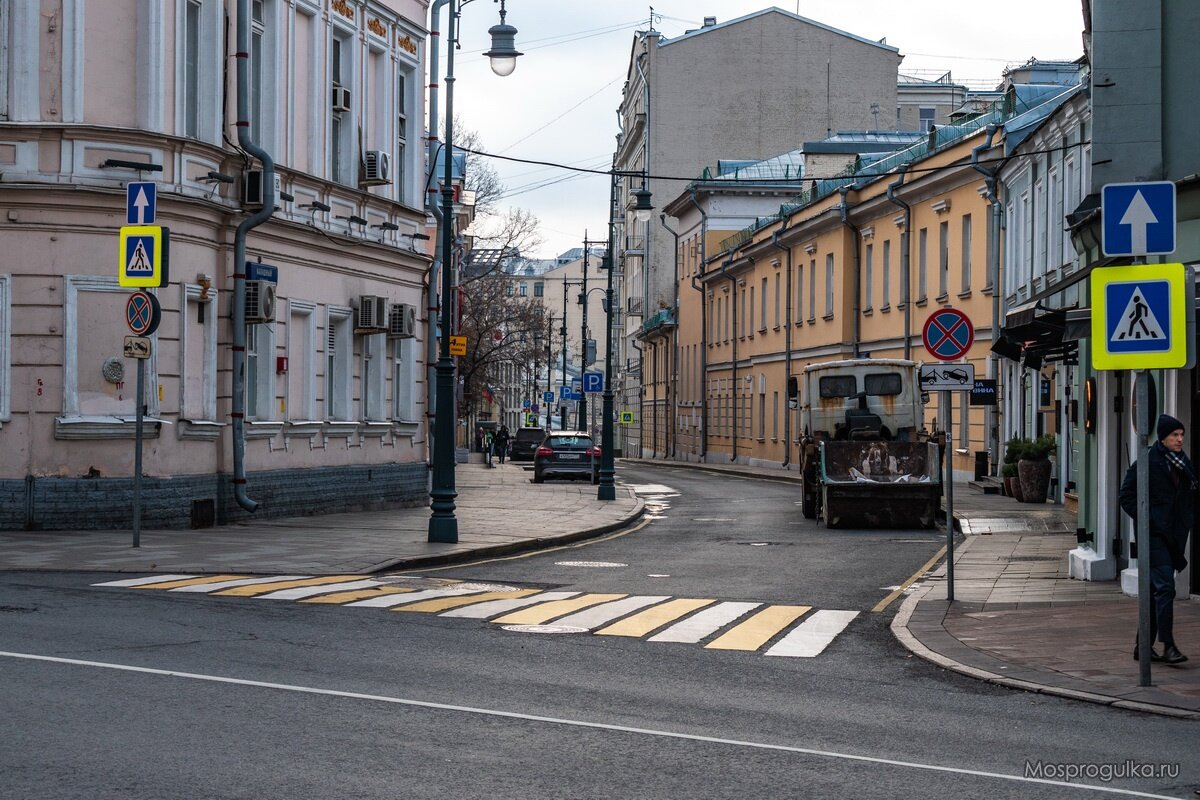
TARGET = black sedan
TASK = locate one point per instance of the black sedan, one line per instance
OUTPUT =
(525, 442)
(567, 454)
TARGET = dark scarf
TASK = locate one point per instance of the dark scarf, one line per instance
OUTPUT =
(1179, 461)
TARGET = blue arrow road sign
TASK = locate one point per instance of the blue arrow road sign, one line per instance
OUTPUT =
(1139, 218)
(593, 382)
(141, 203)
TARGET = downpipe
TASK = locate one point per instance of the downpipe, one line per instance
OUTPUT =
(787, 347)
(238, 401)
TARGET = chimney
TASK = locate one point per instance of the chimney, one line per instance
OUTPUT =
(710, 22)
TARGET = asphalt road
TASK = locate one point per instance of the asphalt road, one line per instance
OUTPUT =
(116, 693)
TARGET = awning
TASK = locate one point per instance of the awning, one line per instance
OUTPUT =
(1033, 334)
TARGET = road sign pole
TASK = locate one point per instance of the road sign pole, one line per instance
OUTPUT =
(137, 455)
(1141, 394)
(948, 481)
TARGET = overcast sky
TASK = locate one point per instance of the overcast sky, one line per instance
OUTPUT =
(560, 103)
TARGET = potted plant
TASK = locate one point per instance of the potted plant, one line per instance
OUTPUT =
(1013, 450)
(1033, 469)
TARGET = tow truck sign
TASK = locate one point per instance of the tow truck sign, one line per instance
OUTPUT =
(947, 377)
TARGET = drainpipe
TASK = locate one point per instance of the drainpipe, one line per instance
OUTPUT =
(641, 397)
(432, 206)
(238, 401)
(787, 345)
(703, 326)
(671, 388)
(993, 266)
(904, 262)
(845, 213)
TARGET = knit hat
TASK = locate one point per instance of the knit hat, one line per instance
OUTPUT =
(1168, 425)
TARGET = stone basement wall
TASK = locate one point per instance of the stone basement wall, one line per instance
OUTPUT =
(107, 503)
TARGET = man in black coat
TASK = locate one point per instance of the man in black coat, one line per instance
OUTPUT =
(501, 442)
(1172, 499)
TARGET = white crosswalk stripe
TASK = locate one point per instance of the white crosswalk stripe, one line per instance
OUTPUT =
(813, 635)
(301, 592)
(143, 581)
(392, 600)
(591, 618)
(494, 608)
(213, 587)
(704, 623)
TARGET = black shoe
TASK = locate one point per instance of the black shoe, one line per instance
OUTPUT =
(1154, 656)
(1172, 655)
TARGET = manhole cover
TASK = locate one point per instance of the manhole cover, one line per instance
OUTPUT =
(589, 564)
(544, 628)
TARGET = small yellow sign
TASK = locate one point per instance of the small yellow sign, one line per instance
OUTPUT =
(1140, 316)
(458, 345)
(144, 256)
(626, 417)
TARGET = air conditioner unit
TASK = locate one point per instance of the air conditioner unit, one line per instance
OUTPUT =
(341, 97)
(260, 302)
(371, 314)
(377, 168)
(252, 188)
(402, 321)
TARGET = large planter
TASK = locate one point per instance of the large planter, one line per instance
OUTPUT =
(1012, 487)
(1034, 480)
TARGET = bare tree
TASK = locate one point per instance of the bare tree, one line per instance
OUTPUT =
(509, 234)
(502, 328)
(481, 178)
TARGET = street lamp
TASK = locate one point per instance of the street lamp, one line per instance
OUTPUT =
(443, 524)
(642, 209)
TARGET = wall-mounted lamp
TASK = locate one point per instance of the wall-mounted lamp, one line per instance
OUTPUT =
(285, 196)
(387, 226)
(141, 166)
(215, 177)
(315, 205)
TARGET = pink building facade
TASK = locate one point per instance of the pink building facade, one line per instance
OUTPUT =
(92, 99)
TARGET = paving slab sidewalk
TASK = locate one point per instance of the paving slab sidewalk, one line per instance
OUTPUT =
(499, 511)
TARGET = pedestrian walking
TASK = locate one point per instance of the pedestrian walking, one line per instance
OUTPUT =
(489, 445)
(502, 437)
(1172, 495)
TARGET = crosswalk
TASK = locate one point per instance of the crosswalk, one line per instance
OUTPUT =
(792, 631)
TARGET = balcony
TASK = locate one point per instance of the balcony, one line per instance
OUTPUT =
(658, 324)
(634, 305)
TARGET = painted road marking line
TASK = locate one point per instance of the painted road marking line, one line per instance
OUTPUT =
(887, 601)
(302, 592)
(447, 603)
(361, 594)
(813, 635)
(593, 618)
(140, 581)
(387, 601)
(264, 588)
(652, 618)
(581, 723)
(188, 582)
(547, 611)
(758, 630)
(494, 607)
(212, 587)
(704, 623)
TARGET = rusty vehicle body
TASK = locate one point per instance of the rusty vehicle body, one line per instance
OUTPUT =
(866, 459)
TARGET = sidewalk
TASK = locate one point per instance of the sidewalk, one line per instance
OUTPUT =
(499, 512)
(1019, 620)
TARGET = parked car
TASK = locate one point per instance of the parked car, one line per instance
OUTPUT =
(567, 454)
(525, 442)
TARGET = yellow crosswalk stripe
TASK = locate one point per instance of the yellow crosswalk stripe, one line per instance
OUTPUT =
(642, 623)
(447, 603)
(190, 582)
(263, 588)
(758, 630)
(356, 594)
(536, 615)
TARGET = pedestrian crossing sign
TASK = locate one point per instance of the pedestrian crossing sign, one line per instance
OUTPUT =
(1140, 316)
(143, 256)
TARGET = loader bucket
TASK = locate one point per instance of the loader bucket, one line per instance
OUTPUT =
(880, 484)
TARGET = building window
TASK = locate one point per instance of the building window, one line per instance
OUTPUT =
(1025, 257)
(191, 69)
(404, 384)
(799, 291)
(776, 299)
(943, 260)
(966, 253)
(300, 392)
(508, 289)
(869, 282)
(404, 102)
(925, 119)
(1069, 202)
(341, 134)
(260, 371)
(812, 290)
(198, 355)
(829, 285)
(5, 342)
(741, 312)
(257, 58)
(1040, 228)
(922, 265)
(887, 274)
(524, 290)
(338, 351)
(775, 415)
(1057, 220)
(374, 377)
(539, 289)
(762, 294)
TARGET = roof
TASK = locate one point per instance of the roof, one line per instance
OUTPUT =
(1020, 127)
(790, 15)
(857, 142)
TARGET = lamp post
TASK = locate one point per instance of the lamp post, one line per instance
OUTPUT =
(642, 209)
(443, 524)
(583, 339)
